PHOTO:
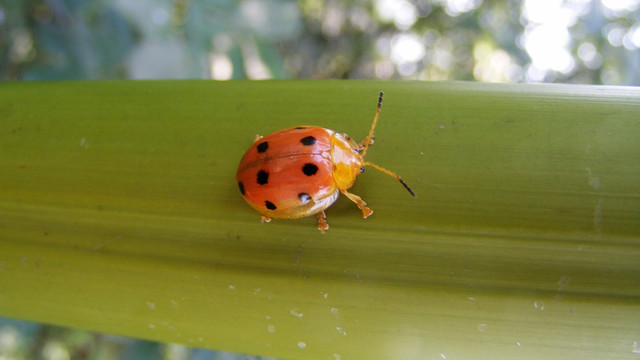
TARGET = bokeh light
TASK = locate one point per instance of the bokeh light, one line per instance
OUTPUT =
(572, 41)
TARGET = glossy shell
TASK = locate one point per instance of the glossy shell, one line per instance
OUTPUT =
(289, 174)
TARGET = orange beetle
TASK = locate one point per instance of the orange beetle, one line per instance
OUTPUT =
(299, 172)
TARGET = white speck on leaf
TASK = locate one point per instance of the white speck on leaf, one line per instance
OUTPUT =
(594, 181)
(597, 217)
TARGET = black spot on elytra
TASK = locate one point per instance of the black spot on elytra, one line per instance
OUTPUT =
(308, 141)
(300, 127)
(263, 146)
(270, 205)
(241, 186)
(263, 177)
(309, 169)
(304, 197)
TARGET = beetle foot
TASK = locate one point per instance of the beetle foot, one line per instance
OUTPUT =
(366, 212)
(322, 222)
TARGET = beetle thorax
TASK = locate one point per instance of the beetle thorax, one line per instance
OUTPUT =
(346, 159)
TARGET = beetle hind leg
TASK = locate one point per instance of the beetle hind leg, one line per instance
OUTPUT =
(366, 211)
(265, 219)
(322, 222)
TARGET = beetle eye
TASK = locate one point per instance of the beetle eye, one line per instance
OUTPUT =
(361, 170)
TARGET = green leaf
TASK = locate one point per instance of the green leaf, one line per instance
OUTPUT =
(119, 213)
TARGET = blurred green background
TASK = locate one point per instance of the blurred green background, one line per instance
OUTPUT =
(566, 41)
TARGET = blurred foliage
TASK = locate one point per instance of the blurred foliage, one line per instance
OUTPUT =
(23, 340)
(397, 39)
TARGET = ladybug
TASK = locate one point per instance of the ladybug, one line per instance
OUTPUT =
(301, 171)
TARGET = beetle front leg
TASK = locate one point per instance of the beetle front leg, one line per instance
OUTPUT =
(358, 200)
(365, 143)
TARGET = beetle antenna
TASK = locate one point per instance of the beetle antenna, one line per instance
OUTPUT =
(391, 173)
(369, 139)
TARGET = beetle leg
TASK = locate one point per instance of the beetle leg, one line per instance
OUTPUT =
(265, 219)
(258, 137)
(322, 222)
(361, 204)
(365, 143)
